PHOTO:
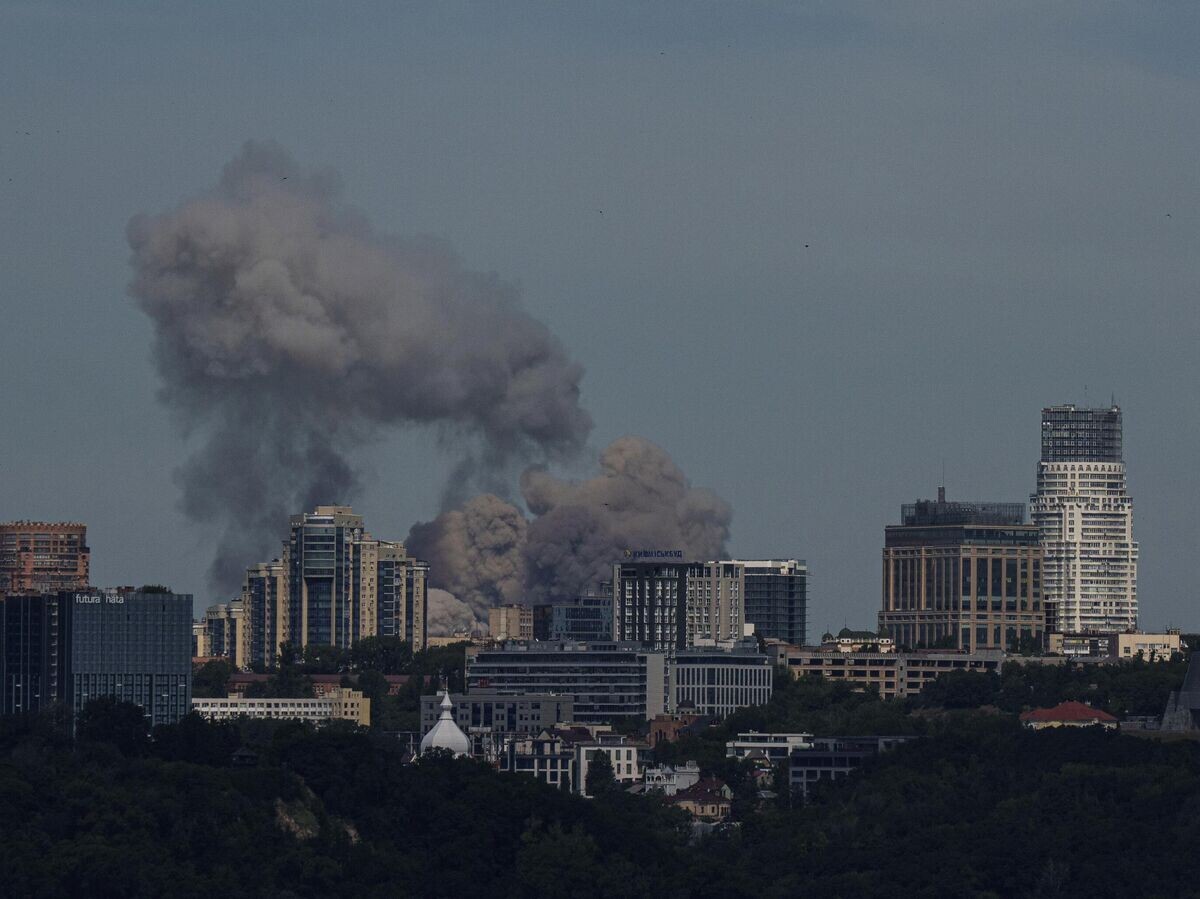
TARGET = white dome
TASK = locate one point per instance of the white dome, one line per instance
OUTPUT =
(445, 734)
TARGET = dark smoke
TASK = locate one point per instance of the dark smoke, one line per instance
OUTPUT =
(286, 331)
(486, 552)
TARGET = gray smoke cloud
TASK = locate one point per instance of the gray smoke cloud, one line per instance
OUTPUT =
(287, 331)
(487, 552)
(446, 615)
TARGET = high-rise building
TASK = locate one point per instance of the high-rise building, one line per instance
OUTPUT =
(134, 646)
(962, 575)
(30, 664)
(75, 646)
(265, 606)
(671, 605)
(1084, 514)
(344, 585)
(43, 557)
(227, 633)
(777, 599)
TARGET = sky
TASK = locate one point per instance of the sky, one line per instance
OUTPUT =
(820, 252)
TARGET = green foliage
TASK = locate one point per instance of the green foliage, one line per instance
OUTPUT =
(108, 720)
(211, 680)
(387, 655)
(153, 588)
(600, 777)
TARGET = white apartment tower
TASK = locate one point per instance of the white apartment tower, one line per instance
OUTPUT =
(1084, 516)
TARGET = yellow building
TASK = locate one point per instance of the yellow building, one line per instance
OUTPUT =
(342, 704)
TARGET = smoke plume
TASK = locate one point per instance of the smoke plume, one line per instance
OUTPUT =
(487, 552)
(448, 615)
(287, 331)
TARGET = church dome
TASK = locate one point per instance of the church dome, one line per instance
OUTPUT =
(445, 734)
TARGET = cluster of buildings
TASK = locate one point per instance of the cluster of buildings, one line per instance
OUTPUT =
(64, 643)
(332, 585)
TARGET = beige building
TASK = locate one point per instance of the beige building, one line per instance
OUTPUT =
(511, 622)
(1150, 647)
(342, 704)
(892, 674)
(965, 576)
(224, 634)
(858, 641)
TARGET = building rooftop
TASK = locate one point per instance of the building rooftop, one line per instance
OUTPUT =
(1068, 711)
(935, 513)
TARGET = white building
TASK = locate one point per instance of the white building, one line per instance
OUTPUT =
(718, 680)
(341, 704)
(1084, 515)
(774, 747)
(670, 779)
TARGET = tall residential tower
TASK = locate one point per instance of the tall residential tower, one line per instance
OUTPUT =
(1084, 515)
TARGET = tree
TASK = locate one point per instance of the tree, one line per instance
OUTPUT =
(109, 720)
(387, 655)
(600, 777)
(211, 680)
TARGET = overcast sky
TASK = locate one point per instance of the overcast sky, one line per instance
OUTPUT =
(815, 250)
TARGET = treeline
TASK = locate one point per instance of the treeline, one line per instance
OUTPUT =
(977, 808)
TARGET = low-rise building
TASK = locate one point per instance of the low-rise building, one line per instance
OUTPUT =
(562, 756)
(1068, 714)
(892, 674)
(501, 713)
(511, 622)
(848, 640)
(670, 779)
(708, 800)
(669, 727)
(828, 758)
(718, 681)
(772, 747)
(1148, 647)
(341, 704)
(607, 681)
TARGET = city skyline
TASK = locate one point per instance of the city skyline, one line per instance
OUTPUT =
(877, 258)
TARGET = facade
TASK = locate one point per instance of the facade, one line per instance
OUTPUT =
(670, 779)
(708, 800)
(561, 756)
(30, 662)
(830, 758)
(501, 713)
(892, 674)
(548, 756)
(266, 604)
(1084, 514)
(511, 622)
(776, 599)
(1068, 714)
(626, 757)
(848, 640)
(772, 747)
(43, 557)
(1149, 647)
(226, 634)
(587, 618)
(133, 646)
(403, 595)
(717, 682)
(962, 576)
(605, 680)
(670, 727)
(341, 704)
(671, 605)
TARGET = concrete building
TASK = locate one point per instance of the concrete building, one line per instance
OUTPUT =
(1084, 514)
(133, 646)
(776, 599)
(606, 681)
(962, 576)
(43, 557)
(772, 747)
(562, 756)
(831, 758)
(892, 674)
(344, 585)
(709, 800)
(669, 727)
(265, 603)
(510, 622)
(1129, 646)
(226, 634)
(671, 605)
(342, 704)
(716, 681)
(31, 666)
(501, 713)
(585, 619)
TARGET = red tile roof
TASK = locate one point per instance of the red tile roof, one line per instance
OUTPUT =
(1068, 711)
